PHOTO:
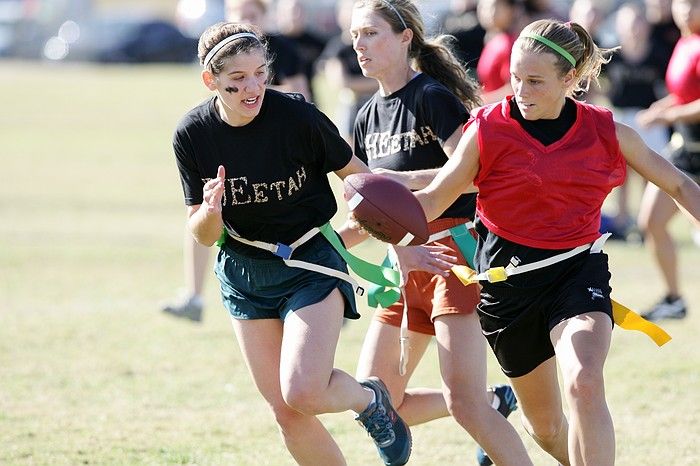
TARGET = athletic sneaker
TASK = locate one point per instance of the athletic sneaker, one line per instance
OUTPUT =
(507, 403)
(667, 308)
(187, 308)
(381, 421)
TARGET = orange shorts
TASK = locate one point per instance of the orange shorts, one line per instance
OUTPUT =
(430, 296)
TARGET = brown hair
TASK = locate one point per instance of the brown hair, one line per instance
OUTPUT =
(433, 56)
(573, 38)
(220, 31)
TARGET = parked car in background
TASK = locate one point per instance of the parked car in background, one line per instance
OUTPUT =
(122, 39)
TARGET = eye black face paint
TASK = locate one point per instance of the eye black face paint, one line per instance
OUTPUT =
(231, 90)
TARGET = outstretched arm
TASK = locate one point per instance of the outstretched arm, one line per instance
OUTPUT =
(659, 171)
(459, 172)
(419, 179)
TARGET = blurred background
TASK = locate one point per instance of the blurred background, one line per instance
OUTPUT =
(145, 31)
(92, 221)
(119, 31)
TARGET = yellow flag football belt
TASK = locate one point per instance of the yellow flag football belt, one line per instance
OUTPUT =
(622, 315)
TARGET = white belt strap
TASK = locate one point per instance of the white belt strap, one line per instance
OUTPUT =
(514, 268)
(403, 336)
(403, 329)
(285, 252)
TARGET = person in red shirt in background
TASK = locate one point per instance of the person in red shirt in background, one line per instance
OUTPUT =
(544, 163)
(499, 18)
(681, 108)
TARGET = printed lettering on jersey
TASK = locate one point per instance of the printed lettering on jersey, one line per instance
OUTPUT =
(240, 190)
(378, 145)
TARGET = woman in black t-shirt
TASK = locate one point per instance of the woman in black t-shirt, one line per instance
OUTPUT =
(406, 131)
(255, 161)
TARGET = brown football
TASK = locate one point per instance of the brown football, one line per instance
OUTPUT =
(387, 209)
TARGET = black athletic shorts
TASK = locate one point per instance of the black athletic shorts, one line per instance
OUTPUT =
(517, 321)
(687, 156)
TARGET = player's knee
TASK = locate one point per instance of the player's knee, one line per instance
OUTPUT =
(286, 417)
(303, 398)
(398, 395)
(467, 412)
(545, 429)
(584, 386)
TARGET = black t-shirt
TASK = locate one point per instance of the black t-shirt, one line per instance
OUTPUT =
(276, 167)
(405, 131)
(494, 251)
(547, 131)
(633, 85)
(286, 61)
(310, 48)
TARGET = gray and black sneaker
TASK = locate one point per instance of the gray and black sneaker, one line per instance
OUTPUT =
(668, 308)
(381, 421)
(187, 308)
(507, 404)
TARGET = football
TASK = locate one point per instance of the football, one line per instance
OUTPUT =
(386, 209)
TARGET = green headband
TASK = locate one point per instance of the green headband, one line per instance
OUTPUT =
(553, 46)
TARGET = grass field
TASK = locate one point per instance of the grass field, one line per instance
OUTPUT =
(91, 221)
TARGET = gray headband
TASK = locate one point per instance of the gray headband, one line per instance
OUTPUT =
(397, 13)
(226, 41)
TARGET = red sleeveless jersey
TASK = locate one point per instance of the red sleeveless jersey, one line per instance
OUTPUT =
(546, 197)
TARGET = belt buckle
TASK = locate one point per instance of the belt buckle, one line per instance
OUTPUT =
(283, 251)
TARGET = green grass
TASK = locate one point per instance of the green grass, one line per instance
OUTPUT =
(91, 221)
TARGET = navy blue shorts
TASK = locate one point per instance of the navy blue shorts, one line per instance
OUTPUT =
(517, 321)
(254, 288)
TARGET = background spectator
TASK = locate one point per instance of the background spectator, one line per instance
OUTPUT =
(344, 75)
(292, 22)
(499, 18)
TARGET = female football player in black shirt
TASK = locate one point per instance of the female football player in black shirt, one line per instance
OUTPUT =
(406, 131)
(254, 161)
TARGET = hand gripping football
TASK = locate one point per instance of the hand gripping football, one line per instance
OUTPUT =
(387, 209)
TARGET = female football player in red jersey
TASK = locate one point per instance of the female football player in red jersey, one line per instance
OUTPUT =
(544, 164)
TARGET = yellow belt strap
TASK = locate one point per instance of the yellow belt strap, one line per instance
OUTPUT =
(630, 320)
(622, 315)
